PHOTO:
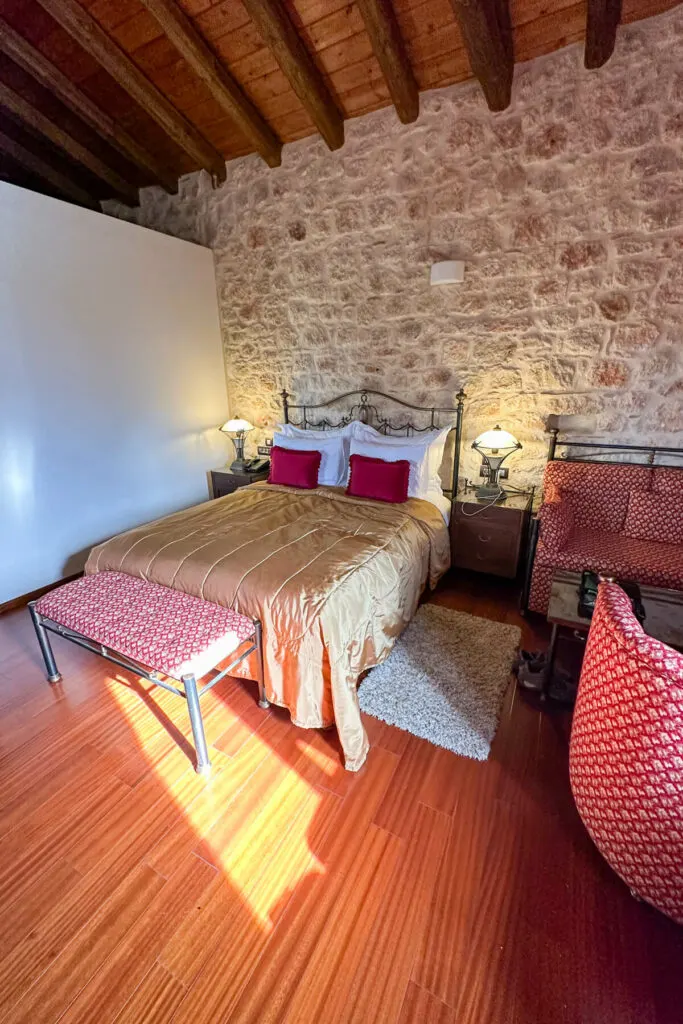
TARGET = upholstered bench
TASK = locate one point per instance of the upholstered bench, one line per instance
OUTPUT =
(152, 631)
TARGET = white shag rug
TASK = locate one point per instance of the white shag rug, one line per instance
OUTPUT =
(445, 679)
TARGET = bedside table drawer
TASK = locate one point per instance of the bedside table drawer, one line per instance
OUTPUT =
(485, 545)
(222, 487)
(224, 482)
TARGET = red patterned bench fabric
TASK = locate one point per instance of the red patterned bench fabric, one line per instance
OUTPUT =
(626, 752)
(583, 520)
(175, 633)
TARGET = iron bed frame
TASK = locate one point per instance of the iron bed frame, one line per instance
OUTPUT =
(191, 692)
(650, 452)
(367, 412)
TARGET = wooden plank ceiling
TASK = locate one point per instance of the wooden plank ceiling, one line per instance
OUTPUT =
(100, 97)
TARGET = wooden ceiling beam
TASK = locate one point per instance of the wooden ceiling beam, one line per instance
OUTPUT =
(222, 86)
(387, 44)
(89, 34)
(31, 60)
(45, 171)
(32, 117)
(487, 32)
(284, 42)
(602, 20)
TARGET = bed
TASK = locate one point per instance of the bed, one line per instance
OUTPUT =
(334, 579)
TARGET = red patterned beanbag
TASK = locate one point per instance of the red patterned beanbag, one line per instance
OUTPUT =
(654, 517)
(626, 752)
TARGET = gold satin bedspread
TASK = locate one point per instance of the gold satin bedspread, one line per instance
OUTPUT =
(334, 580)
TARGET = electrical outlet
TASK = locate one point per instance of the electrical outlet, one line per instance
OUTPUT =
(504, 473)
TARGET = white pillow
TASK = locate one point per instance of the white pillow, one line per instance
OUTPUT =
(423, 451)
(353, 429)
(393, 453)
(289, 430)
(334, 468)
(333, 464)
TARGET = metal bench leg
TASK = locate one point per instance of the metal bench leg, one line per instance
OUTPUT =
(203, 761)
(51, 670)
(263, 701)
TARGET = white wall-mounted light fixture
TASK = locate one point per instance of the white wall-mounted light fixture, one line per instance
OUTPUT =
(447, 272)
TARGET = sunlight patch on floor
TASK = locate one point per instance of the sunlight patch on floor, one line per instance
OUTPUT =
(268, 853)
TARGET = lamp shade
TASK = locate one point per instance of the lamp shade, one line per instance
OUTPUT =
(496, 440)
(236, 426)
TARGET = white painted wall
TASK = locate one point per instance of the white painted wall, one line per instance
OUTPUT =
(112, 382)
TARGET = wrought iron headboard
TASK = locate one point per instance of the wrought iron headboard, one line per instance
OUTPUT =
(367, 412)
(610, 452)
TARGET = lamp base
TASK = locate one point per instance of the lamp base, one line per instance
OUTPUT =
(238, 466)
(491, 493)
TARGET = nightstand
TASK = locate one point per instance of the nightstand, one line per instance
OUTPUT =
(224, 481)
(489, 538)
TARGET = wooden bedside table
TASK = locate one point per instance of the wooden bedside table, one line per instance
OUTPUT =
(489, 538)
(224, 481)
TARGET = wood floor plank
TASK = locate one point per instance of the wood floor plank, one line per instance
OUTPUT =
(246, 717)
(85, 762)
(378, 987)
(314, 938)
(53, 931)
(254, 896)
(186, 952)
(105, 995)
(59, 984)
(337, 843)
(45, 891)
(481, 977)
(222, 792)
(257, 825)
(382, 735)
(22, 857)
(154, 1001)
(402, 798)
(255, 908)
(443, 781)
(420, 1007)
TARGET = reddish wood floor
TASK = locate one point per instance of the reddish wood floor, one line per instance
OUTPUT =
(427, 889)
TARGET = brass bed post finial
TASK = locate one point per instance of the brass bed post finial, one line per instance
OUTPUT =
(285, 405)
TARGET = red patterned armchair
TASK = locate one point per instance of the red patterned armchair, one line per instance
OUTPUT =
(624, 521)
(626, 752)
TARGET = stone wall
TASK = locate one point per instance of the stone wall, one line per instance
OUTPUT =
(567, 208)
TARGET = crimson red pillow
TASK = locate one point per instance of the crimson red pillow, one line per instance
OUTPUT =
(378, 479)
(294, 468)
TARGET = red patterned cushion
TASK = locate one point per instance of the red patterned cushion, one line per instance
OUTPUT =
(644, 561)
(379, 479)
(598, 492)
(293, 468)
(172, 632)
(655, 517)
(556, 524)
(626, 752)
(668, 480)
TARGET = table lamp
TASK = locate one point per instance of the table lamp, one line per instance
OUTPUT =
(494, 446)
(236, 430)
